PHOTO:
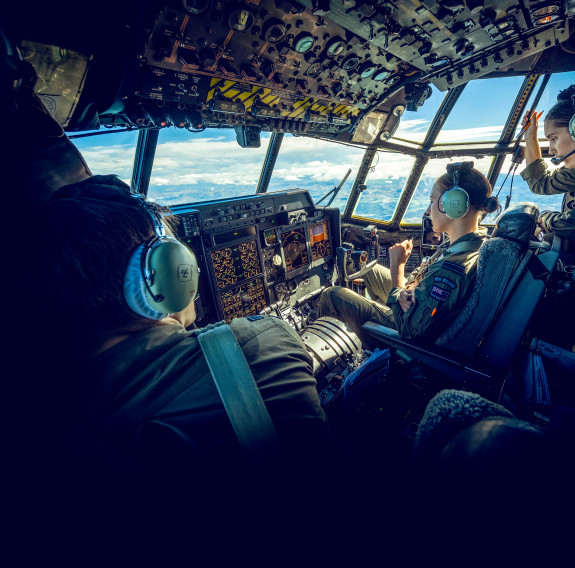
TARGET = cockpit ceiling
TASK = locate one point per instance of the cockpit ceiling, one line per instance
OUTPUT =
(344, 69)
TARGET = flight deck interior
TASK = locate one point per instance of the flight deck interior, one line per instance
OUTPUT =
(345, 72)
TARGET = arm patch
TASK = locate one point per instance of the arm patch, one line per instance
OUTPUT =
(439, 294)
(444, 280)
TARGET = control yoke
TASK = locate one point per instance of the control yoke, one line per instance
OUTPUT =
(345, 256)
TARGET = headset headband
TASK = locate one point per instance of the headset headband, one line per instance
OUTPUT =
(159, 228)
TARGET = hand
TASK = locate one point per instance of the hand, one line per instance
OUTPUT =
(399, 253)
(406, 299)
(531, 123)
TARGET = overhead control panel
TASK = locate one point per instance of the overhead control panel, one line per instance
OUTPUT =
(315, 67)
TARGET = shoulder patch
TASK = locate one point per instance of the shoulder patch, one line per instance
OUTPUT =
(453, 267)
(444, 280)
(439, 294)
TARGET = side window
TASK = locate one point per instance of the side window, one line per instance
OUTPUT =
(519, 192)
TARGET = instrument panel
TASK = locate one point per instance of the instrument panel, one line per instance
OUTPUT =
(259, 253)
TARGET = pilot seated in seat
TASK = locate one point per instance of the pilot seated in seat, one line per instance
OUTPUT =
(430, 299)
(135, 368)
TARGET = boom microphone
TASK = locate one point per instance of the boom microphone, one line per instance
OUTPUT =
(558, 159)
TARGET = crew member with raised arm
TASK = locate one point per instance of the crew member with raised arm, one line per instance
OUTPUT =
(429, 300)
(559, 129)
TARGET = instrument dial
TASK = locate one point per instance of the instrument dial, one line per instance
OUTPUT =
(335, 47)
(304, 42)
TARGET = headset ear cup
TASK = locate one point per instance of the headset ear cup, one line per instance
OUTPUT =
(572, 127)
(455, 202)
(135, 290)
(174, 280)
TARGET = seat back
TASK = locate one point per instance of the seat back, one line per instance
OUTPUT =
(500, 344)
(503, 262)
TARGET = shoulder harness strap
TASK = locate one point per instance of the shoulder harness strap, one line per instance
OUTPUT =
(238, 390)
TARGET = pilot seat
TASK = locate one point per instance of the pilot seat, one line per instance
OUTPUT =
(479, 351)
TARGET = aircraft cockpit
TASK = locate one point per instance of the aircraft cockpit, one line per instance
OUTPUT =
(297, 141)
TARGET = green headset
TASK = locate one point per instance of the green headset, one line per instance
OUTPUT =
(455, 201)
(162, 274)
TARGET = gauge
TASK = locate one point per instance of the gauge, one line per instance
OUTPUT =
(546, 19)
(304, 42)
(196, 6)
(314, 70)
(380, 75)
(367, 70)
(334, 47)
(240, 20)
(350, 63)
(275, 32)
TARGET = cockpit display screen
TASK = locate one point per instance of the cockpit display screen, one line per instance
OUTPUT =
(295, 249)
(319, 239)
(236, 263)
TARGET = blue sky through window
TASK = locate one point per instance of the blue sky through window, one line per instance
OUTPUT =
(193, 167)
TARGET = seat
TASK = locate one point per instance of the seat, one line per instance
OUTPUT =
(477, 350)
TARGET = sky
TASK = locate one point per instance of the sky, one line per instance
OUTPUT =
(191, 167)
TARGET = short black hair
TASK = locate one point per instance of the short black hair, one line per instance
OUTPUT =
(88, 231)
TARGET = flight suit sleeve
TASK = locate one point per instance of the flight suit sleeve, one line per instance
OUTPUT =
(542, 182)
(282, 369)
(562, 224)
(436, 296)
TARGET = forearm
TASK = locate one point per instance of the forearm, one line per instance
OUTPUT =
(397, 275)
(532, 150)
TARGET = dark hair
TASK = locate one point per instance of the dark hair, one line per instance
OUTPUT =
(89, 230)
(475, 184)
(562, 111)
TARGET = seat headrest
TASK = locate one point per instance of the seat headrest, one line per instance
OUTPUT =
(517, 223)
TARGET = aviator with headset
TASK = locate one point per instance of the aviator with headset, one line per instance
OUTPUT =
(423, 303)
(559, 127)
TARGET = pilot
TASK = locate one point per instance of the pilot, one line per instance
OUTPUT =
(136, 370)
(430, 299)
(560, 131)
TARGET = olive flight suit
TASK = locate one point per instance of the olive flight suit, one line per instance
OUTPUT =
(543, 182)
(442, 288)
(159, 377)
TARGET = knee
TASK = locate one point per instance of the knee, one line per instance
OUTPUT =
(326, 305)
